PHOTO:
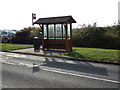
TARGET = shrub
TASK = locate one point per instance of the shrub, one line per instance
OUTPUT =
(25, 36)
(98, 37)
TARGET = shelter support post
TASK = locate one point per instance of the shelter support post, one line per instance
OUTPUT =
(42, 37)
(62, 30)
(47, 35)
(66, 29)
(54, 31)
(70, 36)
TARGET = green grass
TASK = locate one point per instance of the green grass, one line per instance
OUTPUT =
(94, 54)
(85, 53)
(7, 47)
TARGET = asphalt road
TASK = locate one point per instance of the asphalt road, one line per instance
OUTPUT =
(26, 71)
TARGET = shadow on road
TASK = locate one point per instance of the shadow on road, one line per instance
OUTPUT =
(35, 68)
(53, 52)
(84, 67)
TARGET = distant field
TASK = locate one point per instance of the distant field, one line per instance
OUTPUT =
(95, 54)
(7, 47)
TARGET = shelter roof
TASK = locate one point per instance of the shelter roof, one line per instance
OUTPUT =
(55, 20)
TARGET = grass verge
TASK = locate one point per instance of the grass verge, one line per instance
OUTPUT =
(95, 54)
(8, 47)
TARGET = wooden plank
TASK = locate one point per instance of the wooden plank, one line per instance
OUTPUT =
(55, 43)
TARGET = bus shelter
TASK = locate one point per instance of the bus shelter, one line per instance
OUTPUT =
(56, 32)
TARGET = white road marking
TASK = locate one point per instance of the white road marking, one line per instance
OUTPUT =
(11, 55)
(10, 63)
(66, 73)
(21, 63)
(78, 75)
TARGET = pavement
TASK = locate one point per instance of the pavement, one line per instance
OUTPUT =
(41, 52)
(55, 54)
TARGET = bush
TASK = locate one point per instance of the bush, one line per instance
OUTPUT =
(25, 36)
(97, 37)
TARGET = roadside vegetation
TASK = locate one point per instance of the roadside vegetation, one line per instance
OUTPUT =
(89, 36)
(97, 37)
(96, 43)
(94, 54)
(8, 47)
(89, 42)
(26, 35)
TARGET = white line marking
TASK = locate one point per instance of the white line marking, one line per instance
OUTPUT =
(9, 63)
(21, 63)
(12, 55)
(78, 75)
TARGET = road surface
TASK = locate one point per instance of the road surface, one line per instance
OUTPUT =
(27, 71)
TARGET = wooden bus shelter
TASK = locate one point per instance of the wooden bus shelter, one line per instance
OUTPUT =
(56, 32)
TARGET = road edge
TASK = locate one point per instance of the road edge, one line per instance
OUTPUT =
(64, 57)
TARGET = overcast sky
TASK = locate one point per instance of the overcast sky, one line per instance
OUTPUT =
(17, 14)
